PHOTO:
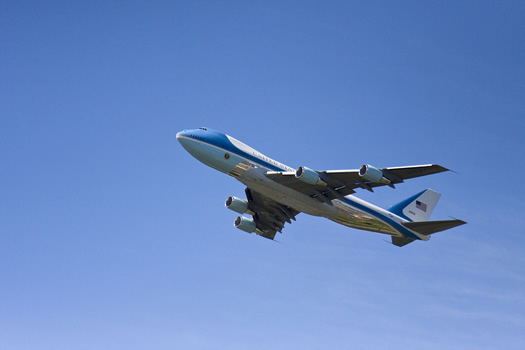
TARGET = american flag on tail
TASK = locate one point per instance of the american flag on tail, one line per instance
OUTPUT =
(421, 206)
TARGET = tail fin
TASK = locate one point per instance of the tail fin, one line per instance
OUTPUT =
(417, 210)
(418, 207)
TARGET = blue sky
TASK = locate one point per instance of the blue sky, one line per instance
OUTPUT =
(113, 237)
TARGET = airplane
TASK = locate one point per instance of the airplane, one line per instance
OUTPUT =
(276, 193)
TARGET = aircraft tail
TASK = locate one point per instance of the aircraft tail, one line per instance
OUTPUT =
(418, 207)
(417, 210)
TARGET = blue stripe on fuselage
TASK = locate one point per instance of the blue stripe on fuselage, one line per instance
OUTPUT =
(382, 217)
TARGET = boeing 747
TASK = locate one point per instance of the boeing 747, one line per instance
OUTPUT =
(276, 193)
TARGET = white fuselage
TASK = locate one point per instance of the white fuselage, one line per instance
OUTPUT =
(249, 167)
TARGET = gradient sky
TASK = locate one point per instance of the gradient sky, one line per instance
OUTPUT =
(113, 237)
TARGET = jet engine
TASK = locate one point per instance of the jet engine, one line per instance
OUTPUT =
(373, 174)
(309, 176)
(245, 224)
(237, 204)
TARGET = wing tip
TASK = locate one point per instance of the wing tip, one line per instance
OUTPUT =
(441, 168)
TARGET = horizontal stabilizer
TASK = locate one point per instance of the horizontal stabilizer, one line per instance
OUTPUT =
(430, 227)
(401, 241)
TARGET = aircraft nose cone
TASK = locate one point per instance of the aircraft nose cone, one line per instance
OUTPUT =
(183, 138)
(188, 140)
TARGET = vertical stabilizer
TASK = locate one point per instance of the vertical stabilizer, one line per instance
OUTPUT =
(418, 207)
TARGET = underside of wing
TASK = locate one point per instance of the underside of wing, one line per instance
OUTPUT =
(368, 177)
(268, 215)
(408, 172)
(333, 184)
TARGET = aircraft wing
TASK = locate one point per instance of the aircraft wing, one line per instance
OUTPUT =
(269, 216)
(339, 183)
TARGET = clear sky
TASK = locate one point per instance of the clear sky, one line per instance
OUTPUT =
(113, 237)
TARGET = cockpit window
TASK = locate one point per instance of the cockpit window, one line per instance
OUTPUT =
(204, 129)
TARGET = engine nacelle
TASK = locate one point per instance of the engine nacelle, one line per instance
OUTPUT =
(245, 224)
(373, 174)
(238, 205)
(309, 176)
